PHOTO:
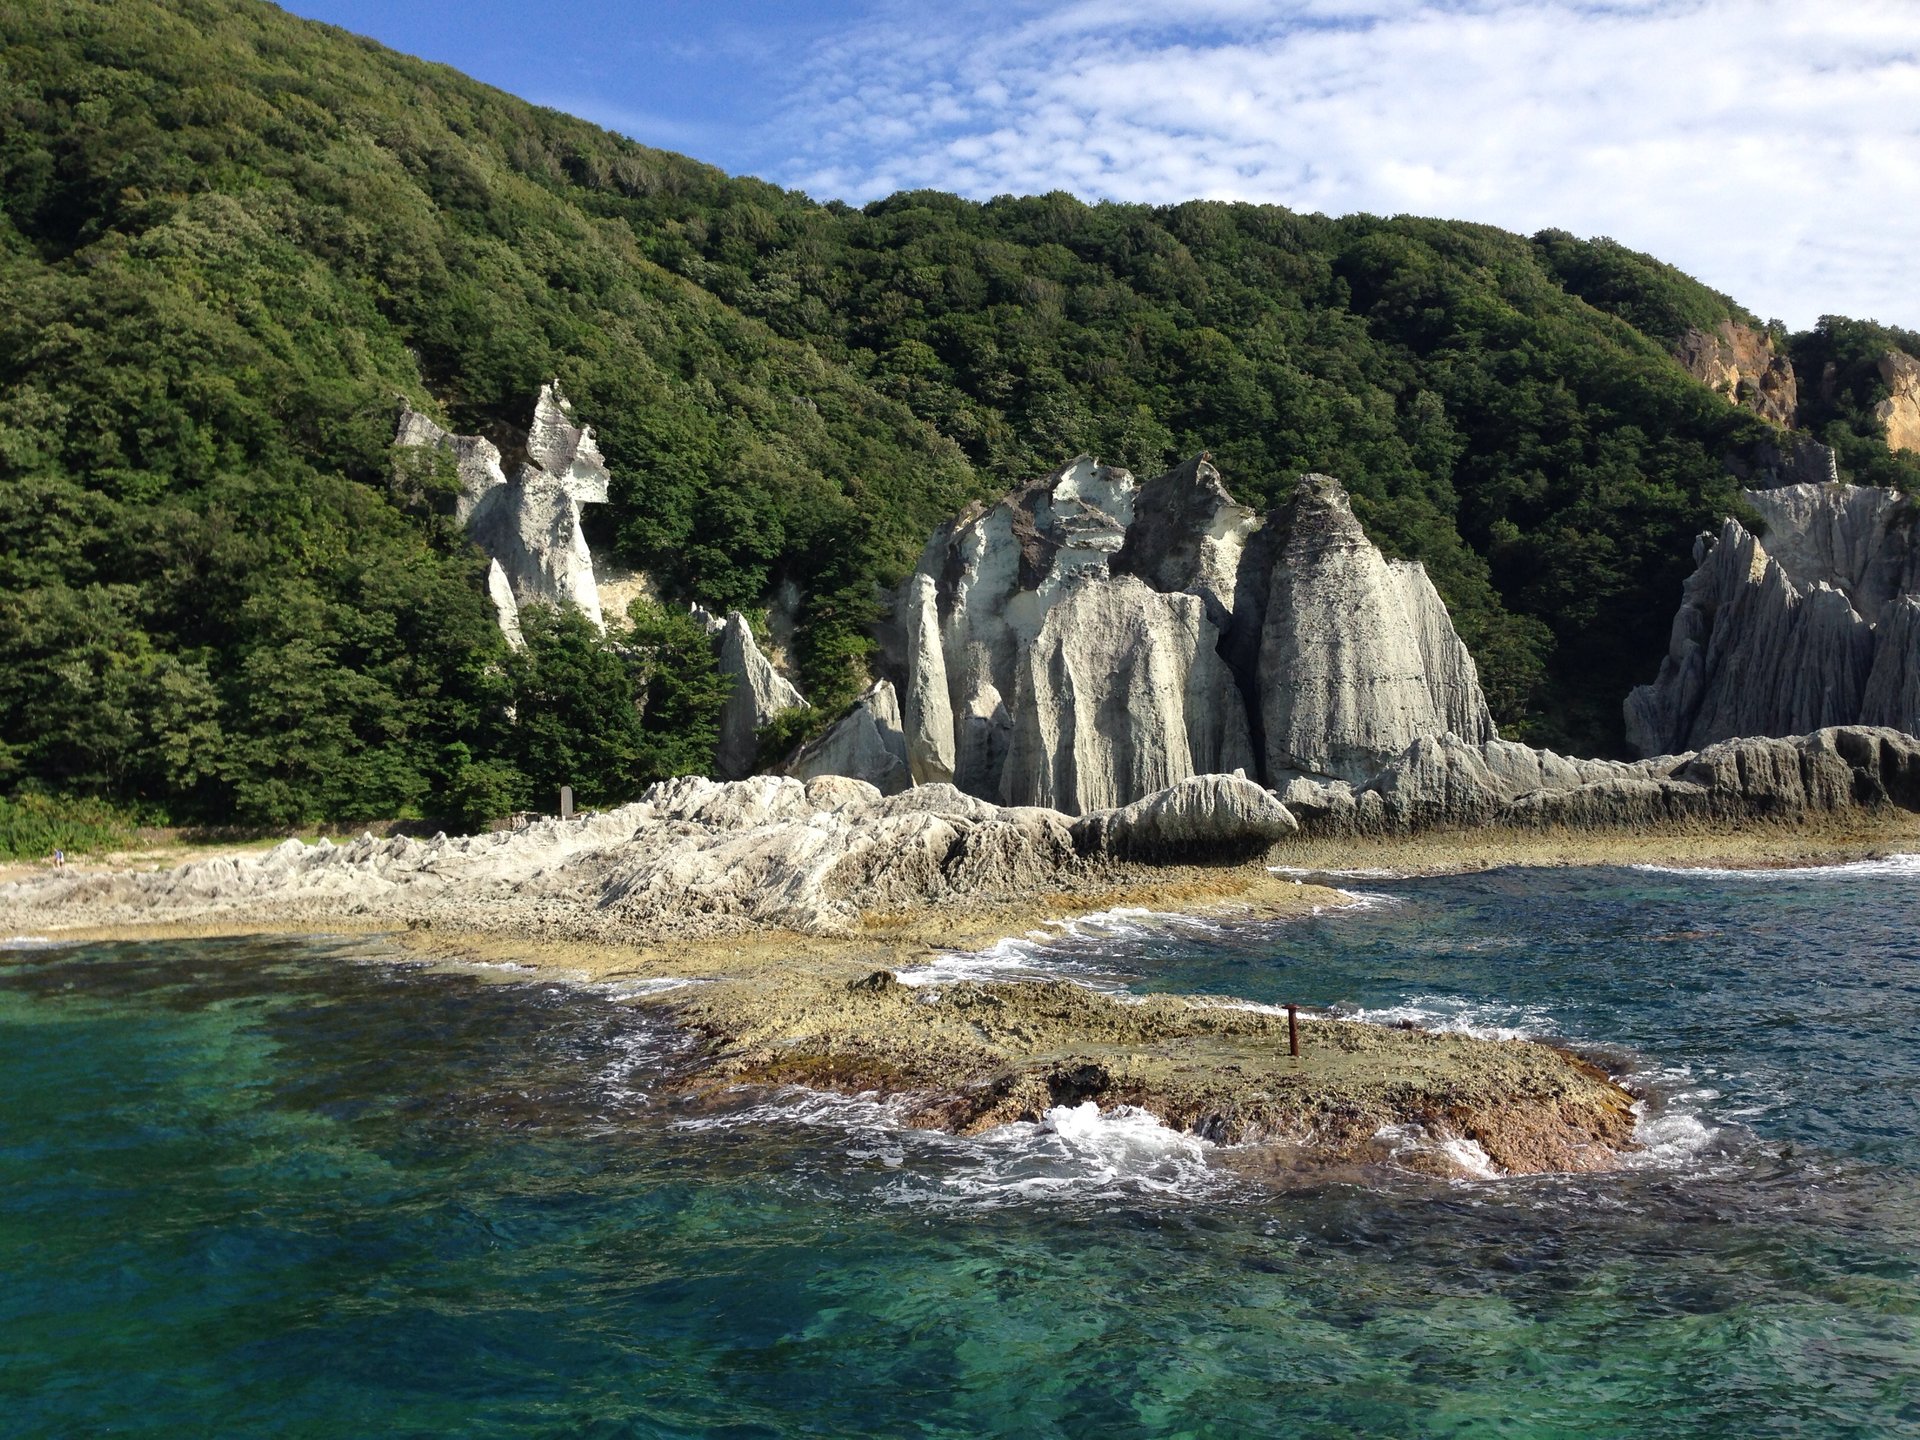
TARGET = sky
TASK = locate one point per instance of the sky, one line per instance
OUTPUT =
(1770, 149)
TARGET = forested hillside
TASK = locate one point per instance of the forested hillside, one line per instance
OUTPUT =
(232, 239)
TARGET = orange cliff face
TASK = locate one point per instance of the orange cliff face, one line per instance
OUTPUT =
(1900, 411)
(1739, 362)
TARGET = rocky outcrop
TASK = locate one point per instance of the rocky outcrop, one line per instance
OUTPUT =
(1357, 655)
(529, 523)
(1204, 817)
(1780, 637)
(1893, 688)
(759, 693)
(1793, 459)
(1739, 362)
(866, 744)
(1089, 640)
(1447, 783)
(1900, 411)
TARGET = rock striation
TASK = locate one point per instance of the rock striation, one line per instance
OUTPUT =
(1447, 783)
(1090, 640)
(528, 524)
(1786, 636)
(760, 692)
(1358, 656)
(864, 744)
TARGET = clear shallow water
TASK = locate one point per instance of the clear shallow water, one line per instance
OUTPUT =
(246, 1188)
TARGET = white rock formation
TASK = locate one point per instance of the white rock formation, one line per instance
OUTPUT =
(1088, 641)
(1122, 693)
(866, 744)
(528, 525)
(1358, 656)
(760, 692)
(1784, 637)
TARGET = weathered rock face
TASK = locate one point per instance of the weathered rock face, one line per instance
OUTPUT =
(1893, 688)
(1446, 783)
(866, 744)
(1792, 459)
(1122, 693)
(1780, 638)
(1739, 362)
(1357, 654)
(1900, 411)
(760, 692)
(530, 524)
(1089, 640)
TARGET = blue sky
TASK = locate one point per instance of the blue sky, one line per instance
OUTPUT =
(1770, 147)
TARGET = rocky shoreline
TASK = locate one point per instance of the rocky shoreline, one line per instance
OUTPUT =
(776, 921)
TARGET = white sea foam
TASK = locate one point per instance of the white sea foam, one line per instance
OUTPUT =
(642, 989)
(1361, 872)
(28, 942)
(1890, 866)
(1458, 1015)
(1466, 1157)
(1074, 1151)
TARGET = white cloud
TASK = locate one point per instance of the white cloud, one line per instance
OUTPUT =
(1772, 149)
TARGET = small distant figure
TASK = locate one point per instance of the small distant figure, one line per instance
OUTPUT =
(59, 858)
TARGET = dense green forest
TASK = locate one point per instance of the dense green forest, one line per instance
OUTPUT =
(232, 239)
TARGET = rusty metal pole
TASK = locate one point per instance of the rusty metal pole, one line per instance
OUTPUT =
(1293, 1031)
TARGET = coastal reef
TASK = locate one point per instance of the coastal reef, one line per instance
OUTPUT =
(968, 1056)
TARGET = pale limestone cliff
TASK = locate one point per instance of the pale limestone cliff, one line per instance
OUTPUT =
(866, 744)
(528, 524)
(1122, 693)
(1900, 411)
(1739, 362)
(1781, 637)
(1089, 640)
(759, 693)
(1893, 688)
(1357, 654)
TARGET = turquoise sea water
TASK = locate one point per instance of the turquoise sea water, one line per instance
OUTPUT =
(302, 1189)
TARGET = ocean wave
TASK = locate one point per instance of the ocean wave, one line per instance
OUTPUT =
(29, 942)
(1465, 1158)
(1073, 1151)
(1458, 1015)
(1359, 872)
(1888, 866)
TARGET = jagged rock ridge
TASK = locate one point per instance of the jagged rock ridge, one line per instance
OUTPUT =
(529, 524)
(1089, 640)
(1810, 628)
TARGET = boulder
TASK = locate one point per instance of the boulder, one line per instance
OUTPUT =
(1203, 817)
